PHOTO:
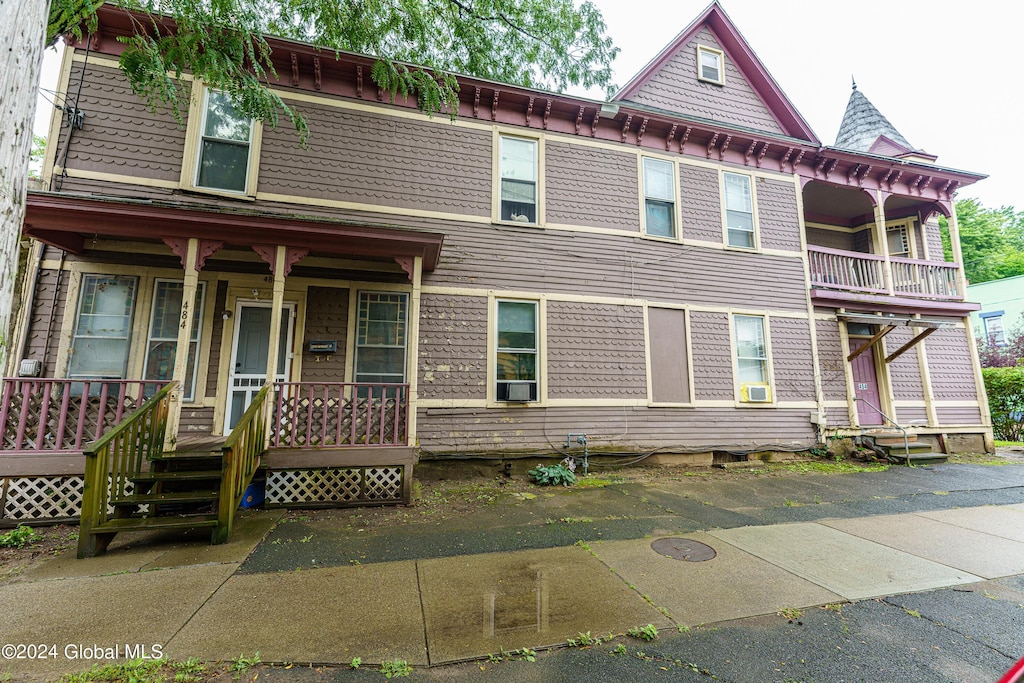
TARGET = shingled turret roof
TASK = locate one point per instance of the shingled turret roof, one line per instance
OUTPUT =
(865, 129)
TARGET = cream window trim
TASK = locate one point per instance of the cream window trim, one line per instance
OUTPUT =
(676, 215)
(492, 351)
(738, 387)
(756, 233)
(193, 139)
(908, 225)
(718, 56)
(539, 166)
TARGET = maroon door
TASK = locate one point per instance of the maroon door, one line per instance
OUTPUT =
(865, 385)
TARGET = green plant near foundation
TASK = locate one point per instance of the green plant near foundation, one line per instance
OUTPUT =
(395, 668)
(19, 537)
(552, 475)
(648, 633)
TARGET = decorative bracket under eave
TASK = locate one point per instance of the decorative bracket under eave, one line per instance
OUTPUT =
(269, 254)
(408, 264)
(207, 248)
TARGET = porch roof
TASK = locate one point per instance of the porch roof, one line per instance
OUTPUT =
(66, 221)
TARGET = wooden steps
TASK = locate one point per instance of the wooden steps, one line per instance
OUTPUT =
(148, 523)
(169, 497)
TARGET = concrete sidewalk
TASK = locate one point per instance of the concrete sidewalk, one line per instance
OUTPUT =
(189, 599)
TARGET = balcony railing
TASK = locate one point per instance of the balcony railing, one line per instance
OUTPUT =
(865, 273)
(63, 415)
(336, 414)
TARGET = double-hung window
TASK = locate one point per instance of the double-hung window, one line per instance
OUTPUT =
(381, 337)
(710, 65)
(162, 344)
(519, 171)
(517, 351)
(994, 332)
(739, 211)
(224, 147)
(659, 197)
(751, 358)
(99, 347)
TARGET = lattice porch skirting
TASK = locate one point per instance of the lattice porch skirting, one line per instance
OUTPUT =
(43, 499)
(334, 486)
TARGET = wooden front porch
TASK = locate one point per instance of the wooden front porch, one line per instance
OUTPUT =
(857, 272)
(314, 444)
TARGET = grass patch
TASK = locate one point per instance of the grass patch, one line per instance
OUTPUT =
(830, 467)
(981, 459)
(1009, 443)
(19, 537)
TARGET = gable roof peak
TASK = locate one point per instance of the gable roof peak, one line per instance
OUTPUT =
(766, 90)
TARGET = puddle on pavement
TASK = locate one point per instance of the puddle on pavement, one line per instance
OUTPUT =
(481, 604)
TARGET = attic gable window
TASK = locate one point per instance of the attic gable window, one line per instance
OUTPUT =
(710, 65)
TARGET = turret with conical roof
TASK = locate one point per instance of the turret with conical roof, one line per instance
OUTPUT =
(865, 129)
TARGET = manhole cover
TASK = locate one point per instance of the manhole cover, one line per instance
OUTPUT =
(683, 549)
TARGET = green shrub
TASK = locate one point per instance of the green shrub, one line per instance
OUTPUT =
(553, 475)
(1005, 387)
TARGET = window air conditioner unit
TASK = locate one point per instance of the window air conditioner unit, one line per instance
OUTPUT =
(757, 393)
(518, 392)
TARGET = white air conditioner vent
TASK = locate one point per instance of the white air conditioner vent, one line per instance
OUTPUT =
(30, 367)
(519, 392)
(757, 393)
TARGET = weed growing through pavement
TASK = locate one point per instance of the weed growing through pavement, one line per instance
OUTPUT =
(395, 668)
(355, 663)
(648, 633)
(791, 613)
(243, 663)
(913, 612)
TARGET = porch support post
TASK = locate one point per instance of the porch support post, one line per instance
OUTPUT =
(882, 240)
(274, 348)
(185, 321)
(412, 362)
(926, 383)
(958, 254)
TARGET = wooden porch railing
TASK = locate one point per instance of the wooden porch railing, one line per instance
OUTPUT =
(242, 451)
(113, 460)
(859, 272)
(925, 279)
(337, 414)
(62, 415)
(852, 271)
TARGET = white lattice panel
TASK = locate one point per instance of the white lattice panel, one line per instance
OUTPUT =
(313, 486)
(31, 498)
(383, 483)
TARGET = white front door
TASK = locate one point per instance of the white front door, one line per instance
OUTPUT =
(249, 355)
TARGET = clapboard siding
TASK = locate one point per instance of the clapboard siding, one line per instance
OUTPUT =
(675, 87)
(958, 416)
(712, 356)
(830, 239)
(778, 220)
(196, 421)
(912, 416)
(904, 371)
(47, 313)
(494, 430)
(831, 361)
(595, 351)
(949, 366)
(701, 203)
(524, 258)
(326, 319)
(377, 159)
(837, 417)
(121, 135)
(792, 360)
(218, 344)
(453, 347)
(591, 186)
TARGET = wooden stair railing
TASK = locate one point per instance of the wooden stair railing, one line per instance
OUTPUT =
(242, 451)
(112, 464)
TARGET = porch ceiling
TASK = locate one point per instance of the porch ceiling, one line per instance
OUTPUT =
(67, 221)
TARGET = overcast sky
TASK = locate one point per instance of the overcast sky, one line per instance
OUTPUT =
(948, 75)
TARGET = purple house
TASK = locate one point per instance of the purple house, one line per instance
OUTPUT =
(685, 270)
